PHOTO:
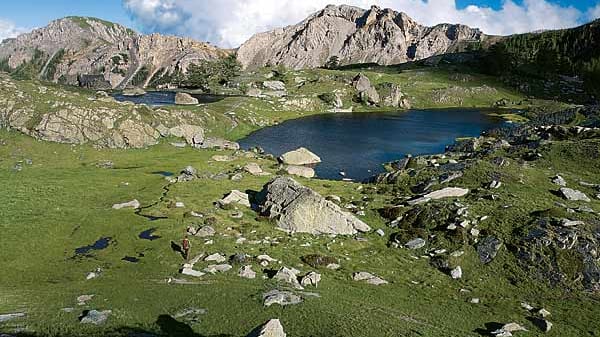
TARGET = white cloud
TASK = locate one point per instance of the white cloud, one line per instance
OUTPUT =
(9, 29)
(228, 23)
(594, 13)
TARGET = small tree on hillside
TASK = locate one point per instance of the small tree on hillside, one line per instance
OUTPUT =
(332, 63)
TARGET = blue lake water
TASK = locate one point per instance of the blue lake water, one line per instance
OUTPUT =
(158, 98)
(359, 143)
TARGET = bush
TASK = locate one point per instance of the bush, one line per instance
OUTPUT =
(328, 98)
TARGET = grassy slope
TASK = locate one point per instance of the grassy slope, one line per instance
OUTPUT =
(62, 201)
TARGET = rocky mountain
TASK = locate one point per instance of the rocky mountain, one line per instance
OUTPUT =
(354, 35)
(92, 52)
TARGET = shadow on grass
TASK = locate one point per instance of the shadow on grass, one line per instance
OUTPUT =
(489, 327)
(167, 327)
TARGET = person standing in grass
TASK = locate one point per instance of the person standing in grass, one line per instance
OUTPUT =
(185, 245)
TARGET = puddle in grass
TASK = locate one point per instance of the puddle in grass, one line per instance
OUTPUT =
(147, 235)
(130, 259)
(100, 244)
(164, 173)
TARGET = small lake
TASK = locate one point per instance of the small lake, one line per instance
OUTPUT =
(359, 143)
(158, 98)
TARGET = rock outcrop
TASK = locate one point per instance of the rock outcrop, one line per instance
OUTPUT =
(354, 35)
(95, 53)
(300, 209)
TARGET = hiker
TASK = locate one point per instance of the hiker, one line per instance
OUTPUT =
(185, 245)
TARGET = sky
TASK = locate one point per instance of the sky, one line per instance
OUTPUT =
(228, 23)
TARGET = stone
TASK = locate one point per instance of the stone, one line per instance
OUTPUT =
(193, 134)
(282, 298)
(488, 248)
(130, 204)
(182, 98)
(366, 92)
(223, 144)
(247, 272)
(299, 209)
(380, 232)
(192, 272)
(254, 169)
(216, 257)
(560, 181)
(301, 171)
(265, 257)
(417, 243)
(543, 312)
(205, 231)
(300, 157)
(369, 278)
(456, 273)
(237, 197)
(573, 195)
(217, 268)
(11, 316)
(95, 317)
(288, 276)
(448, 192)
(253, 92)
(543, 324)
(274, 85)
(571, 223)
(311, 279)
(83, 299)
(272, 328)
(219, 158)
(134, 92)
(495, 184)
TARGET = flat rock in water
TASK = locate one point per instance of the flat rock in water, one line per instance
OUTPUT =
(272, 328)
(573, 195)
(299, 209)
(95, 317)
(301, 171)
(237, 197)
(182, 98)
(299, 157)
(130, 204)
(282, 298)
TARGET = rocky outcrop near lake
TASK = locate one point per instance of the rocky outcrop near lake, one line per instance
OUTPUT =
(354, 35)
(95, 53)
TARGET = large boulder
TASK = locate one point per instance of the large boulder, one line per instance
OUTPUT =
(573, 195)
(300, 171)
(274, 85)
(300, 209)
(193, 134)
(301, 156)
(392, 96)
(366, 92)
(181, 98)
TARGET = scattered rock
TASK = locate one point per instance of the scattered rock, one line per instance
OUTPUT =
(366, 92)
(182, 98)
(220, 158)
(274, 85)
(508, 329)
(380, 232)
(573, 195)
(237, 197)
(247, 272)
(192, 272)
(560, 181)
(132, 92)
(289, 276)
(219, 143)
(83, 299)
(254, 169)
(369, 278)
(10, 317)
(216, 257)
(417, 243)
(300, 209)
(301, 171)
(218, 268)
(311, 279)
(130, 204)
(299, 157)
(282, 298)
(488, 249)
(542, 324)
(543, 312)
(272, 328)
(456, 273)
(205, 231)
(94, 317)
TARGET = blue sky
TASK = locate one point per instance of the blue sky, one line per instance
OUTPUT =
(228, 23)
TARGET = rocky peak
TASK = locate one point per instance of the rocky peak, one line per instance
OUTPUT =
(354, 35)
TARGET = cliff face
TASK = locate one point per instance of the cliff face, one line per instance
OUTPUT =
(74, 46)
(355, 35)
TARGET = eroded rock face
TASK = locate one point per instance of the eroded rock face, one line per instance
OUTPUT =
(300, 209)
(80, 46)
(354, 35)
